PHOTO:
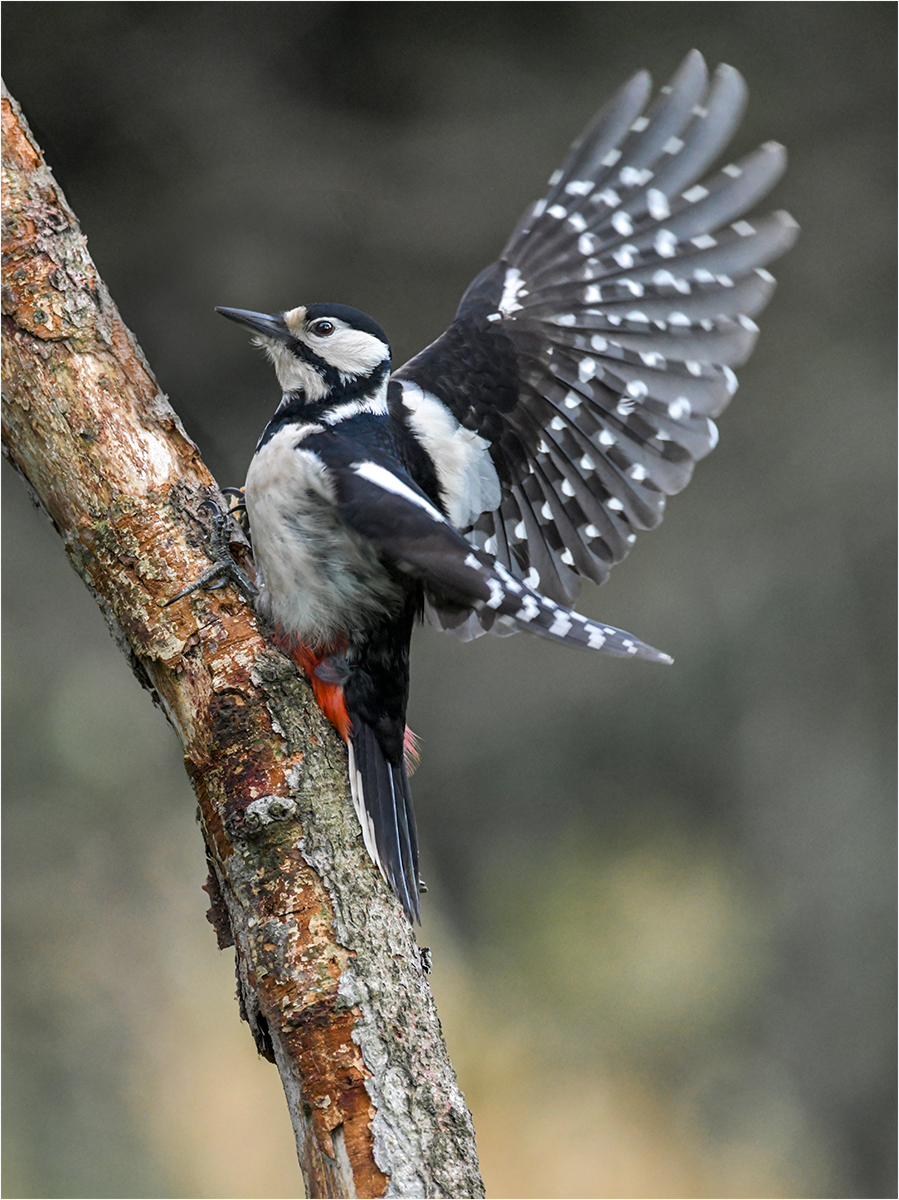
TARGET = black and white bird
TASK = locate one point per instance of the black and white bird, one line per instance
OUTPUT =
(477, 484)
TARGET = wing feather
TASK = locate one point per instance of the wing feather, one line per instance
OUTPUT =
(593, 354)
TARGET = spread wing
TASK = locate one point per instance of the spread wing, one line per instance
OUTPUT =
(592, 357)
(379, 500)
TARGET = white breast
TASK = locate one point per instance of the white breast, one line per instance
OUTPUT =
(320, 579)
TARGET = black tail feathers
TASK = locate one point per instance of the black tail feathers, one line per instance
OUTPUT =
(383, 803)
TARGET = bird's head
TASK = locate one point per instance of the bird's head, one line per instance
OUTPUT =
(321, 350)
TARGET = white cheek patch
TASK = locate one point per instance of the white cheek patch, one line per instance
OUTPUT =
(349, 351)
(390, 483)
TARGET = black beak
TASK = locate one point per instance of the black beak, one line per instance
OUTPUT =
(271, 326)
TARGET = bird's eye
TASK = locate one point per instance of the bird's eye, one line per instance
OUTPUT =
(322, 328)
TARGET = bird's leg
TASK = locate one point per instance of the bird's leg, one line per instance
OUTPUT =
(223, 569)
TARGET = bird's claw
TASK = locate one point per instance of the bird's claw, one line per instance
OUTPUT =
(223, 569)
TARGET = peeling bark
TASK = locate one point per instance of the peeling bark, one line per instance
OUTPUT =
(331, 981)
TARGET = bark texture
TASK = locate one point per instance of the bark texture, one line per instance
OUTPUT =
(331, 980)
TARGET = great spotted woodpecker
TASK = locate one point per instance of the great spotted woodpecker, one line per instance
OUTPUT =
(572, 393)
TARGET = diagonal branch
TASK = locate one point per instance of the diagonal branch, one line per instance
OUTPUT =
(331, 981)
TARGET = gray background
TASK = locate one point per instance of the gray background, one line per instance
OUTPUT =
(661, 899)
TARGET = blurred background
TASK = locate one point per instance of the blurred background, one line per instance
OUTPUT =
(661, 900)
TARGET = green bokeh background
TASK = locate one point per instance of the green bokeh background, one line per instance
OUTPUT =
(660, 900)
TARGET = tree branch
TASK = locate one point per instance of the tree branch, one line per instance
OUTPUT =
(331, 981)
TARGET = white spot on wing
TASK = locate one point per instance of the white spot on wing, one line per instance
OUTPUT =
(625, 255)
(657, 203)
(497, 594)
(691, 195)
(561, 624)
(513, 287)
(665, 243)
(529, 609)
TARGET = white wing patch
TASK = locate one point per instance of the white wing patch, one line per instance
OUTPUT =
(390, 483)
(513, 287)
(465, 471)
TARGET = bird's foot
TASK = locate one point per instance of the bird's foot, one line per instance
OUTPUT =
(223, 569)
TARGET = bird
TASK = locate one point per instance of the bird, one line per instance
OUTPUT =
(519, 453)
